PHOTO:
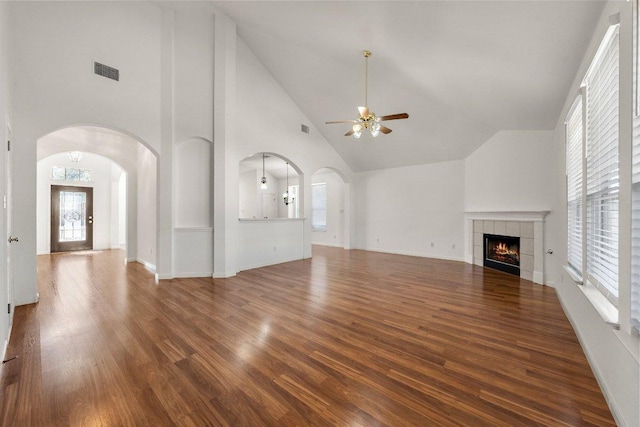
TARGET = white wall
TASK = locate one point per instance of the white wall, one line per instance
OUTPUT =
(334, 235)
(193, 82)
(267, 242)
(103, 188)
(513, 170)
(122, 211)
(414, 210)
(247, 195)
(147, 230)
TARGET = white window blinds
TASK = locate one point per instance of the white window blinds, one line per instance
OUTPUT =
(602, 85)
(319, 207)
(635, 178)
(635, 228)
(574, 185)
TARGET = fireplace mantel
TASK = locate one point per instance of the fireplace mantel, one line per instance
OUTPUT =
(507, 215)
(530, 222)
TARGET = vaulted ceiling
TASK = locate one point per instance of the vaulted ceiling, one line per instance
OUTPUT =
(462, 70)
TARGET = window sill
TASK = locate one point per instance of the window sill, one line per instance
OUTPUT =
(573, 274)
(603, 306)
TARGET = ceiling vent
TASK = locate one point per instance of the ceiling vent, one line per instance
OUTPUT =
(106, 71)
(304, 128)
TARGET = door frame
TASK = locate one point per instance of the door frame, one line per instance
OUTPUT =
(80, 245)
(8, 208)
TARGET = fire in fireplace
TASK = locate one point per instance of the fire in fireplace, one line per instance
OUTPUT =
(502, 253)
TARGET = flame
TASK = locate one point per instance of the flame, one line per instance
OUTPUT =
(503, 250)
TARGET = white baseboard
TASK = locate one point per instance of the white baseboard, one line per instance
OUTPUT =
(538, 278)
(251, 267)
(6, 342)
(332, 245)
(222, 275)
(187, 275)
(147, 265)
(606, 391)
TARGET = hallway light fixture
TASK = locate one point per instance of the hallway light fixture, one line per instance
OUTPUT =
(263, 180)
(75, 156)
(288, 199)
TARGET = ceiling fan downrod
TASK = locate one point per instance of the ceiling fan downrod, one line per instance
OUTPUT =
(366, 54)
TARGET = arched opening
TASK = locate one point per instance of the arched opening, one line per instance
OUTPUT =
(115, 155)
(329, 209)
(269, 188)
(271, 224)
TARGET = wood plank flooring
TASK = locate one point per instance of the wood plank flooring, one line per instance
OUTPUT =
(348, 338)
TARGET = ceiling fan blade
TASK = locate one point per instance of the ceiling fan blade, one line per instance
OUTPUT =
(364, 111)
(385, 130)
(349, 133)
(394, 117)
(341, 121)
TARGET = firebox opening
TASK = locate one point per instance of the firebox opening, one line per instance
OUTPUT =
(502, 253)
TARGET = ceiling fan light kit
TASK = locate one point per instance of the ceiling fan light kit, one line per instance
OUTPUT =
(368, 119)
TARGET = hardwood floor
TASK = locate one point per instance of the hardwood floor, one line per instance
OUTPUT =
(348, 338)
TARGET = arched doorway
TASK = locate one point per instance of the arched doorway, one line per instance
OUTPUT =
(136, 161)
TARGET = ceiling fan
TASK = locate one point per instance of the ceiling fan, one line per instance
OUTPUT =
(368, 119)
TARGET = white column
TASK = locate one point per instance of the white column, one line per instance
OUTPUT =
(225, 162)
(164, 213)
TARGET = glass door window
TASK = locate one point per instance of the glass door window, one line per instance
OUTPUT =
(71, 218)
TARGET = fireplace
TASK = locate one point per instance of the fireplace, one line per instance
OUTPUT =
(502, 253)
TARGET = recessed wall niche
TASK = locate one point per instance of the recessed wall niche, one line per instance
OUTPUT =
(193, 176)
(269, 188)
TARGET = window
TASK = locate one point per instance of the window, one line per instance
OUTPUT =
(574, 186)
(602, 175)
(70, 174)
(593, 172)
(319, 207)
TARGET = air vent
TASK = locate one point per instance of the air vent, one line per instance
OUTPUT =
(106, 71)
(304, 128)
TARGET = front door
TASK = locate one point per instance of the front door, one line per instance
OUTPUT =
(71, 218)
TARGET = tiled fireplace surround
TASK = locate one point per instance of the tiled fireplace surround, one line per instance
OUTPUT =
(528, 225)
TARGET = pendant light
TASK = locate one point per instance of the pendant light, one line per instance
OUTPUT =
(263, 180)
(285, 196)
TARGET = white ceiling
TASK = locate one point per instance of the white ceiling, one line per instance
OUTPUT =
(462, 70)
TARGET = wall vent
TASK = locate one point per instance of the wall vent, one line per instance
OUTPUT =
(106, 71)
(304, 128)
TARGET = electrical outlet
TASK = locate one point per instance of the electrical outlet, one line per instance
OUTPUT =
(453, 246)
(274, 249)
(378, 240)
(432, 244)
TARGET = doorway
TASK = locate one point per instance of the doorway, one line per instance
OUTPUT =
(71, 218)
